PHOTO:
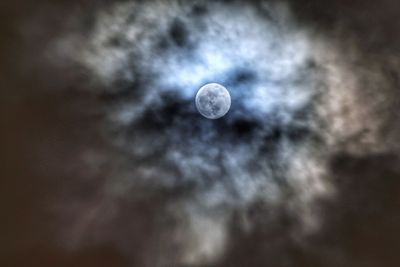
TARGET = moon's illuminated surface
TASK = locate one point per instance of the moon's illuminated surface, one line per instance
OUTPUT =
(213, 101)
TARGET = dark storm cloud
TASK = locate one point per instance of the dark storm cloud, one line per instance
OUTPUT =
(310, 132)
(151, 68)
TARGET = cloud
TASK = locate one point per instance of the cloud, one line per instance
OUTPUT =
(297, 100)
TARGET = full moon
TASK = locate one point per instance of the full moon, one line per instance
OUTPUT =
(213, 101)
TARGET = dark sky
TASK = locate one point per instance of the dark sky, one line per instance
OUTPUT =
(106, 162)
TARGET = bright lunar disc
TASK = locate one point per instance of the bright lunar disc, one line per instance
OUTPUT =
(213, 101)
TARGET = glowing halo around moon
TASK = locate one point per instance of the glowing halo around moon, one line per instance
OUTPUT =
(213, 101)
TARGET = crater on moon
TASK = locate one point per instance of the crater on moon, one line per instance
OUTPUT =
(213, 101)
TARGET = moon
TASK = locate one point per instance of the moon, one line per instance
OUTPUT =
(213, 101)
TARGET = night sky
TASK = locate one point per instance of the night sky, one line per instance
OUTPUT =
(105, 160)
